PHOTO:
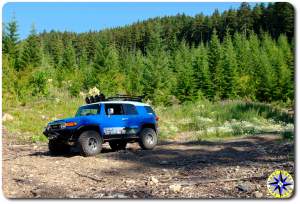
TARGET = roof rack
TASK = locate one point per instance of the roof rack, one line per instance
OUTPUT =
(119, 97)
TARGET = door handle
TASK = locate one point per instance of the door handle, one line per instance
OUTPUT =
(124, 118)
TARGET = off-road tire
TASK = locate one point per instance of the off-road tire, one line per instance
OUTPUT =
(117, 145)
(148, 139)
(57, 147)
(90, 143)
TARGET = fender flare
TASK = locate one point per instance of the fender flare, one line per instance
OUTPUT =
(148, 125)
(82, 128)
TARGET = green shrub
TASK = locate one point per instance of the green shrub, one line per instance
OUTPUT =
(74, 88)
(288, 134)
(38, 83)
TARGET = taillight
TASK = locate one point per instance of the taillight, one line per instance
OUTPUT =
(157, 118)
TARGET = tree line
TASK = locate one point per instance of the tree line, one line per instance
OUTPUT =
(247, 53)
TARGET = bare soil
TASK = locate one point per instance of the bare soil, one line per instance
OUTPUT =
(235, 168)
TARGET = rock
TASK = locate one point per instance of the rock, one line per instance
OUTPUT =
(117, 195)
(175, 187)
(153, 179)
(258, 194)
(7, 117)
(121, 196)
(99, 195)
(244, 187)
(130, 181)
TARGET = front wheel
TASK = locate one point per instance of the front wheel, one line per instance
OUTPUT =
(90, 143)
(148, 138)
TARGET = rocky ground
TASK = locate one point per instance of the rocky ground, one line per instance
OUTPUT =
(235, 168)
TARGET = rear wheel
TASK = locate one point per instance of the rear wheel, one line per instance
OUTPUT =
(148, 138)
(90, 143)
(117, 145)
(57, 147)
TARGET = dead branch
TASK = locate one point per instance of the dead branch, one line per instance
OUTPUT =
(89, 177)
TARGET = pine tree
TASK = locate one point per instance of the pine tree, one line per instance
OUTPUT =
(32, 52)
(157, 77)
(255, 66)
(214, 57)
(201, 72)
(245, 66)
(229, 69)
(134, 67)
(288, 57)
(56, 50)
(10, 40)
(265, 87)
(107, 69)
(83, 58)
(245, 20)
(186, 85)
(69, 56)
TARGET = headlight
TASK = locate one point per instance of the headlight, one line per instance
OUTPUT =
(70, 124)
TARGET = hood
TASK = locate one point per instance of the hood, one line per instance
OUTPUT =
(65, 120)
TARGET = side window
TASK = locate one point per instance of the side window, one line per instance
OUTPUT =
(118, 110)
(130, 109)
(149, 110)
(88, 110)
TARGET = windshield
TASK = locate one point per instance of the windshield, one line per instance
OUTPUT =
(88, 110)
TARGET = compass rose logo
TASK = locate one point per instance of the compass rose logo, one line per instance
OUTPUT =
(280, 184)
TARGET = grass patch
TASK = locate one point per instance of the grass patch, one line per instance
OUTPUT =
(224, 119)
(206, 120)
(32, 117)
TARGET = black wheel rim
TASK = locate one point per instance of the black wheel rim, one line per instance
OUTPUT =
(93, 144)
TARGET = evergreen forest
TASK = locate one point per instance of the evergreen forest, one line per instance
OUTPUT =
(244, 54)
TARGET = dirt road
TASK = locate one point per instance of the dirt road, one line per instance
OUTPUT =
(231, 169)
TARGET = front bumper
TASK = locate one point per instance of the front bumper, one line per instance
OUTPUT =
(62, 134)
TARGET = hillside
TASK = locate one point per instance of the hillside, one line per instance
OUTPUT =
(246, 53)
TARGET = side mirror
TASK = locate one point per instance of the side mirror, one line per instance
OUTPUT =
(110, 111)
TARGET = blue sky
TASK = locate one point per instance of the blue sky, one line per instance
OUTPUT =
(81, 17)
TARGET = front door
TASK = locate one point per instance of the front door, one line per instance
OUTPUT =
(114, 124)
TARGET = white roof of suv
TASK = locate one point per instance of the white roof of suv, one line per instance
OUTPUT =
(121, 102)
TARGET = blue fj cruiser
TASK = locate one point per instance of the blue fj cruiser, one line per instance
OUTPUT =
(117, 120)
